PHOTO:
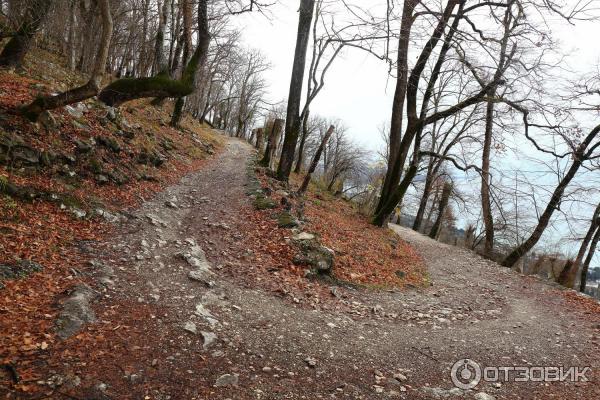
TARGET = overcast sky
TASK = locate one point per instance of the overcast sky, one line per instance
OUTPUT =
(358, 88)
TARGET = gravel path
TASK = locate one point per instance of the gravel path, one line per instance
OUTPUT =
(211, 337)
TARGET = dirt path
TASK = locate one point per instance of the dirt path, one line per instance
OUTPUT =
(208, 336)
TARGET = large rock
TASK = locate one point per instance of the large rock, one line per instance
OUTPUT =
(76, 312)
(75, 112)
(286, 220)
(83, 146)
(26, 155)
(15, 151)
(315, 255)
(109, 143)
(151, 157)
(264, 203)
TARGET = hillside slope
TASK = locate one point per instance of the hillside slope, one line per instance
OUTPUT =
(62, 181)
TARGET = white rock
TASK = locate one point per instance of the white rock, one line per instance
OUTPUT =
(304, 236)
(400, 377)
(190, 327)
(227, 380)
(484, 396)
(208, 338)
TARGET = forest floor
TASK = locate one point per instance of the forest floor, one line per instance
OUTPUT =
(245, 328)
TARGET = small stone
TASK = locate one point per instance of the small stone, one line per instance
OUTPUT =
(154, 296)
(227, 380)
(200, 276)
(484, 396)
(377, 310)
(208, 338)
(190, 327)
(78, 213)
(304, 236)
(311, 362)
(102, 387)
(400, 377)
(170, 204)
(74, 112)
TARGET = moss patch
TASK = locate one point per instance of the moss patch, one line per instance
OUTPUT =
(264, 203)
(286, 220)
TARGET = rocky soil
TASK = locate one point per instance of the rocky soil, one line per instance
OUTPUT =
(174, 318)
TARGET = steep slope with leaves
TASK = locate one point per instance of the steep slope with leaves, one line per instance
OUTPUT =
(61, 180)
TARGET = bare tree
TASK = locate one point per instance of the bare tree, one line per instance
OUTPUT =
(588, 259)
(276, 128)
(92, 87)
(161, 85)
(28, 24)
(315, 160)
(437, 226)
(580, 153)
(292, 121)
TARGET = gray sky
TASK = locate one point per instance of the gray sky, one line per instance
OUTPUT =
(358, 89)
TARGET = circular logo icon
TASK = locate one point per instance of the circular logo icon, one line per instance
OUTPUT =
(465, 374)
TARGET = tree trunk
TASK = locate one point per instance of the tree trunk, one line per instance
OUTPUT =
(272, 142)
(415, 121)
(594, 224)
(143, 65)
(92, 87)
(260, 139)
(300, 159)
(71, 41)
(160, 63)
(588, 260)
(315, 160)
(292, 123)
(177, 112)
(381, 217)
(567, 275)
(187, 45)
(13, 53)
(437, 226)
(392, 176)
(424, 198)
(486, 206)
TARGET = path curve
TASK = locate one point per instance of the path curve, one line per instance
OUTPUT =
(213, 337)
